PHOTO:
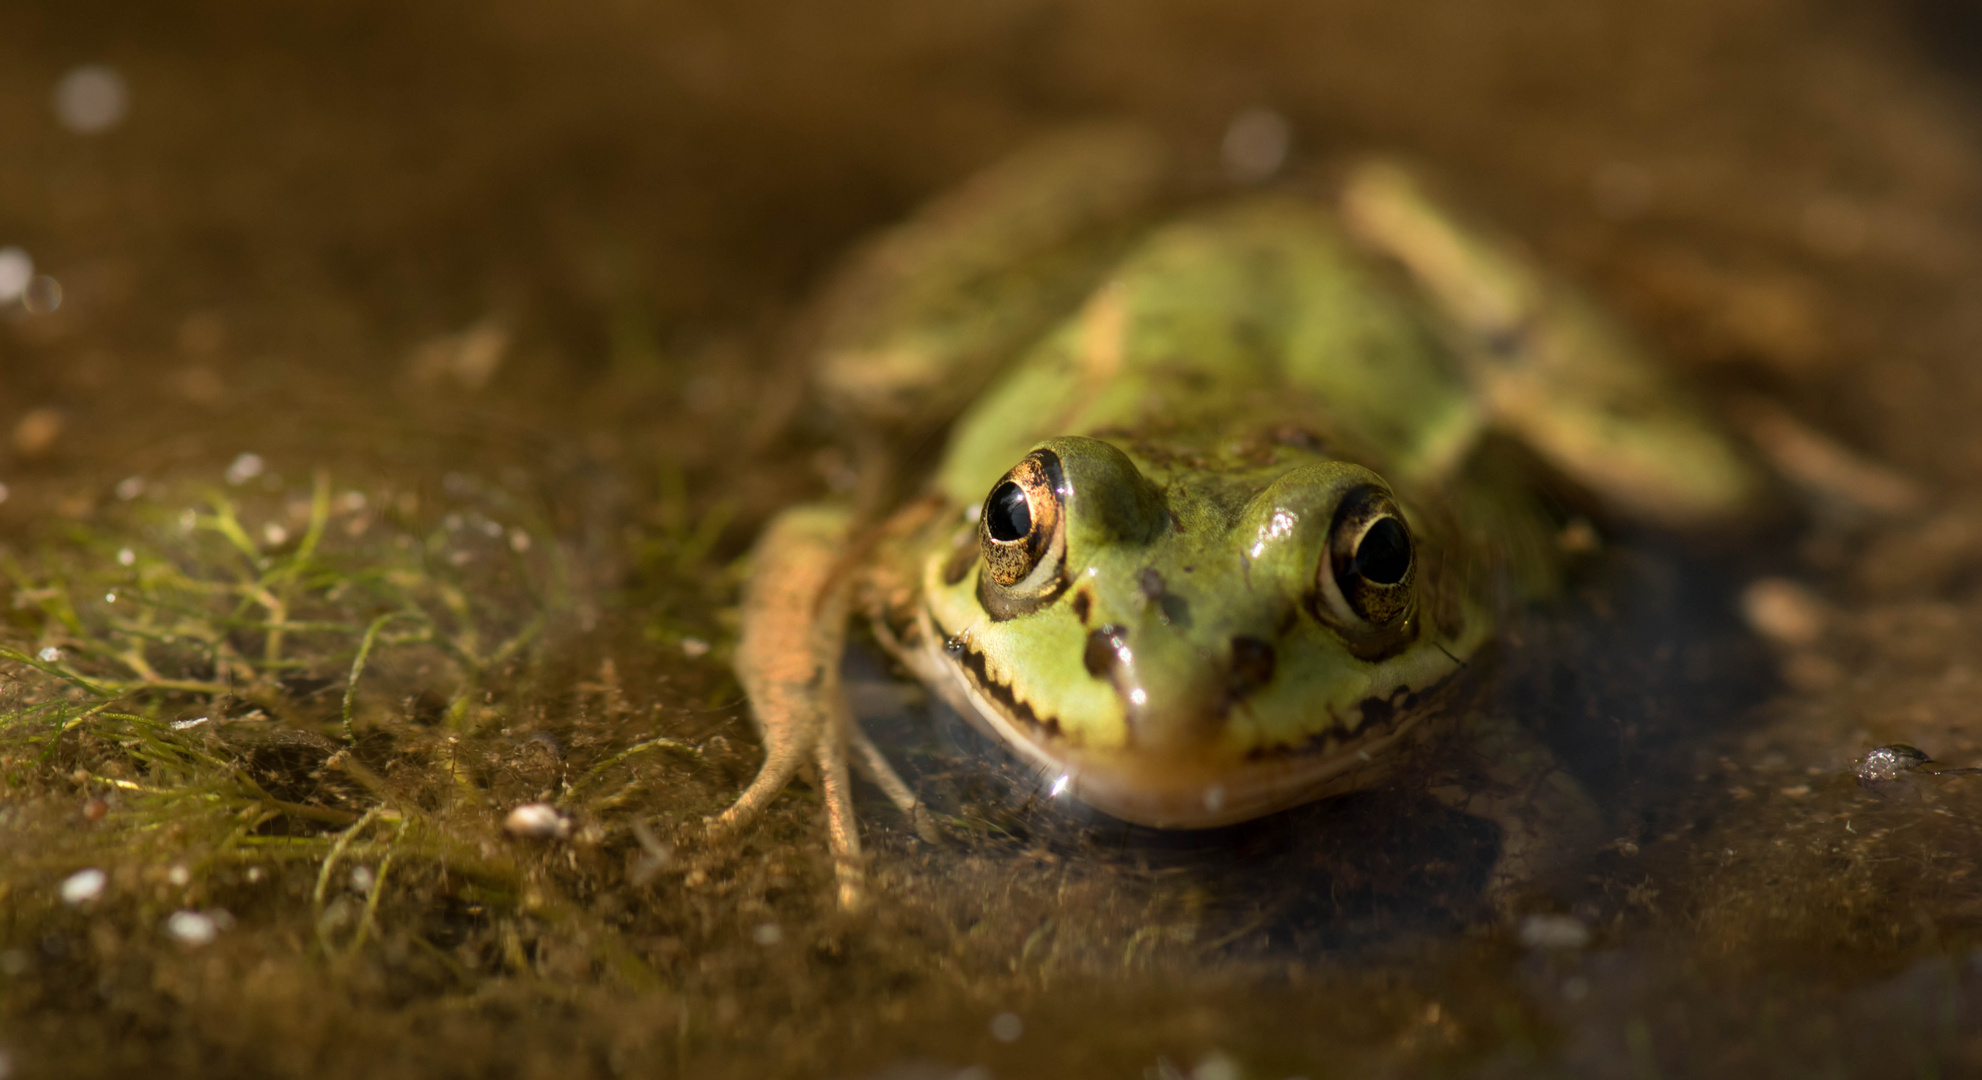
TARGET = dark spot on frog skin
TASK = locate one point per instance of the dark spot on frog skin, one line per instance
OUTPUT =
(1379, 712)
(1083, 606)
(1104, 651)
(1252, 667)
(1174, 609)
(1013, 705)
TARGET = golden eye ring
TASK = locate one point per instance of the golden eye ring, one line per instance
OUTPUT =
(1021, 529)
(1367, 578)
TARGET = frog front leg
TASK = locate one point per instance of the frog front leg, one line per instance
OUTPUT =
(1501, 772)
(788, 660)
(795, 610)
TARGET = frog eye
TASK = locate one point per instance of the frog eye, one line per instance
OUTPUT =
(1367, 576)
(1020, 531)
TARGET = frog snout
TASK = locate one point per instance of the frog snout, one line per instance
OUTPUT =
(1176, 694)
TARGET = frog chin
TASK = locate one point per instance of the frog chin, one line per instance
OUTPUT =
(1176, 791)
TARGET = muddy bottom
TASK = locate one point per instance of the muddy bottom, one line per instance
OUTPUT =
(383, 400)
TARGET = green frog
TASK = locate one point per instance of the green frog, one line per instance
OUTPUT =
(1235, 488)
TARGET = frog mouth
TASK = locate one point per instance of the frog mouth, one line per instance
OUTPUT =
(1192, 791)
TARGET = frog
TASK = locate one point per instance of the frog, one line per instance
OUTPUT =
(1219, 496)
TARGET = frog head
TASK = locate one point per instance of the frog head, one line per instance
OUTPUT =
(1203, 650)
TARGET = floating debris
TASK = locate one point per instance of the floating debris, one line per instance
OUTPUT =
(1887, 762)
(1554, 932)
(83, 886)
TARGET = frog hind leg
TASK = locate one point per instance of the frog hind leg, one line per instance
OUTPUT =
(922, 316)
(1547, 822)
(788, 660)
(1552, 369)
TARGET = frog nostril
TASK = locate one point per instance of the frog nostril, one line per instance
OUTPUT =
(1252, 666)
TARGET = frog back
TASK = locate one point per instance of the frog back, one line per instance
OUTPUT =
(1222, 335)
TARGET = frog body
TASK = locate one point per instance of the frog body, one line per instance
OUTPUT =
(1210, 536)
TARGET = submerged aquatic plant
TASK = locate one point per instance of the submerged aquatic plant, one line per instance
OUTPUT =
(311, 692)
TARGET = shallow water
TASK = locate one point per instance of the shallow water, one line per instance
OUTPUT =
(490, 293)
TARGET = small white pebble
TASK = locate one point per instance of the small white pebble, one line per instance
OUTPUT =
(180, 874)
(275, 534)
(83, 886)
(362, 880)
(254, 874)
(1007, 1027)
(694, 647)
(1554, 932)
(767, 934)
(537, 821)
(519, 541)
(191, 928)
(49, 655)
(126, 557)
(245, 468)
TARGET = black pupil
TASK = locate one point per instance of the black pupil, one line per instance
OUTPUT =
(1384, 556)
(1009, 515)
